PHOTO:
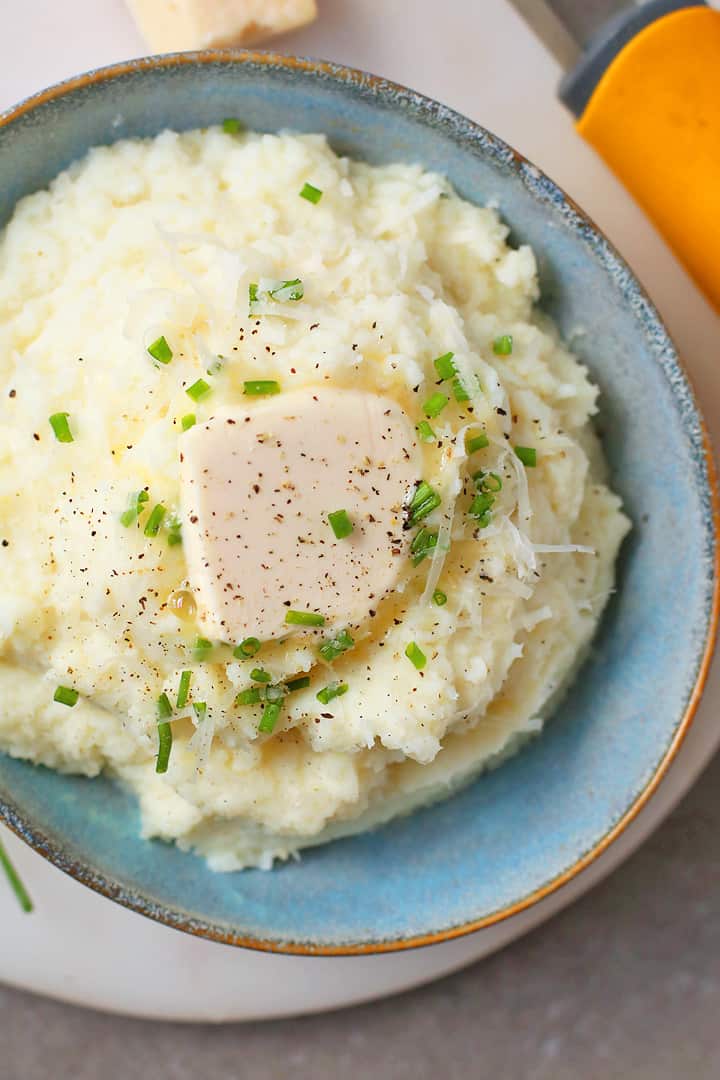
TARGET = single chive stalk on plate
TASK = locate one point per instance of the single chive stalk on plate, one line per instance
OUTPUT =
(439, 598)
(424, 542)
(297, 684)
(416, 656)
(304, 618)
(287, 290)
(135, 508)
(261, 387)
(183, 689)
(153, 523)
(435, 404)
(476, 442)
(528, 456)
(333, 690)
(423, 502)
(259, 674)
(199, 390)
(200, 710)
(503, 345)
(487, 481)
(425, 432)
(232, 126)
(188, 420)
(340, 524)
(269, 718)
(160, 350)
(15, 881)
(202, 648)
(65, 695)
(311, 193)
(445, 367)
(248, 647)
(61, 427)
(164, 708)
(165, 740)
(336, 646)
(459, 391)
(249, 696)
(174, 529)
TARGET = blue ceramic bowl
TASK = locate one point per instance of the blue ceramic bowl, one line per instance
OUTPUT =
(519, 832)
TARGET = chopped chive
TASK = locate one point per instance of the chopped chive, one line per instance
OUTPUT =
(439, 597)
(164, 708)
(15, 883)
(268, 720)
(528, 456)
(199, 390)
(232, 126)
(160, 350)
(174, 532)
(304, 618)
(253, 293)
(275, 693)
(459, 391)
(183, 689)
(65, 695)
(424, 542)
(340, 524)
(503, 345)
(480, 509)
(416, 656)
(336, 646)
(202, 648)
(251, 696)
(247, 647)
(444, 366)
(326, 695)
(474, 443)
(200, 710)
(259, 674)
(311, 193)
(297, 684)
(425, 432)
(435, 404)
(424, 501)
(258, 387)
(165, 740)
(135, 508)
(487, 481)
(287, 290)
(188, 421)
(59, 424)
(153, 523)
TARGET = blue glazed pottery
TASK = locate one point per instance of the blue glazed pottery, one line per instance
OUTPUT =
(524, 829)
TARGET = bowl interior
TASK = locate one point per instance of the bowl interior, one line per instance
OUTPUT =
(518, 829)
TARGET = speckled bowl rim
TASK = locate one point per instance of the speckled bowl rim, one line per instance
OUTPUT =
(443, 117)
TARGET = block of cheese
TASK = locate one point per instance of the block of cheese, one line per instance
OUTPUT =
(177, 25)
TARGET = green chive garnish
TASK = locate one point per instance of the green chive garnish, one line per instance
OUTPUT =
(200, 710)
(183, 689)
(65, 695)
(304, 618)
(253, 293)
(480, 509)
(416, 656)
(528, 456)
(161, 351)
(251, 696)
(153, 523)
(287, 290)
(435, 404)
(502, 346)
(188, 421)
(247, 647)
(165, 740)
(268, 720)
(459, 391)
(326, 695)
(258, 387)
(444, 366)
(311, 193)
(425, 432)
(424, 542)
(487, 481)
(476, 442)
(298, 684)
(336, 646)
(439, 597)
(15, 883)
(232, 126)
(135, 508)
(199, 390)
(202, 648)
(259, 674)
(340, 524)
(424, 501)
(164, 708)
(59, 424)
(174, 532)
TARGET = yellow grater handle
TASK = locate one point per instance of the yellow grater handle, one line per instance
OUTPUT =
(655, 119)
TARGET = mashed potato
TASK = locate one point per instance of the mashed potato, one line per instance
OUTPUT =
(164, 238)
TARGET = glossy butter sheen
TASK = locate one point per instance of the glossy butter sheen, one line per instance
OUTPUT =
(258, 485)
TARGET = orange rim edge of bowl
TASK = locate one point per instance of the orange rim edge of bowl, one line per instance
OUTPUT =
(165, 916)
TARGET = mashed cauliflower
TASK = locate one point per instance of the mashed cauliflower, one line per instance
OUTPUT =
(163, 238)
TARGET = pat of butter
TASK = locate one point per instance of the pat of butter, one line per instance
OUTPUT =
(258, 484)
(170, 25)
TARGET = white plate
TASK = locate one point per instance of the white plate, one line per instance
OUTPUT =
(482, 60)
